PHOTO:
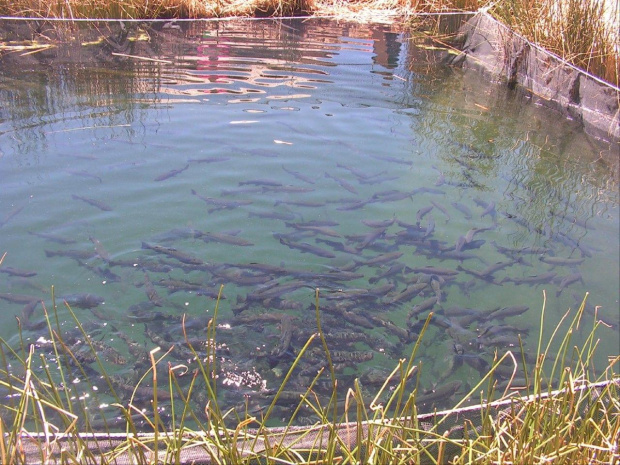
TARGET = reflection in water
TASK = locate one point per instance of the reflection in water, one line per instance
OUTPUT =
(144, 166)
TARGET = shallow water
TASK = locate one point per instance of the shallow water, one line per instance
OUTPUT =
(267, 153)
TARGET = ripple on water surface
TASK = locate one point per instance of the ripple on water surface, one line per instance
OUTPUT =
(275, 158)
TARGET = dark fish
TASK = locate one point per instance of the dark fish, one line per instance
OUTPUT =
(394, 270)
(53, 237)
(109, 353)
(273, 215)
(574, 243)
(242, 190)
(475, 244)
(346, 294)
(143, 264)
(18, 298)
(105, 273)
(391, 328)
(318, 223)
(379, 223)
(428, 304)
(344, 184)
(345, 356)
(339, 246)
(353, 205)
(489, 210)
(75, 254)
(101, 251)
(174, 253)
(430, 227)
(83, 300)
(436, 287)
(377, 179)
(221, 204)
(381, 259)
(369, 238)
(225, 239)
(439, 393)
(567, 281)
(487, 273)
(359, 174)
(151, 292)
(463, 209)
(176, 285)
(260, 182)
(208, 159)
(305, 247)
(460, 242)
(387, 158)
(287, 189)
(536, 279)
(171, 173)
(16, 272)
(458, 311)
(498, 330)
(442, 210)
(243, 278)
(406, 294)
(178, 233)
(270, 291)
(12, 214)
(433, 270)
(441, 179)
(317, 229)
(95, 203)
(521, 250)
(390, 196)
(427, 190)
(287, 326)
(504, 312)
(559, 261)
(476, 362)
(298, 175)
(84, 174)
(502, 341)
(381, 291)
(299, 203)
(27, 312)
(472, 232)
(572, 220)
(422, 212)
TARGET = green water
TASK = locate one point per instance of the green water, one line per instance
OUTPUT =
(306, 120)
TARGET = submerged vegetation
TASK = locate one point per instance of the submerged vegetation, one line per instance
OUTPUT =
(584, 32)
(46, 418)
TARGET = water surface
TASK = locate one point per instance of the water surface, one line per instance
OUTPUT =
(149, 168)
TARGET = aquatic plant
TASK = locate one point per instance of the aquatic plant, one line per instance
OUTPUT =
(45, 419)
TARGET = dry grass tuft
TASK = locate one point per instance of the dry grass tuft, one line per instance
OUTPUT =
(583, 32)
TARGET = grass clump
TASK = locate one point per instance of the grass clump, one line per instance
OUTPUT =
(45, 420)
(158, 9)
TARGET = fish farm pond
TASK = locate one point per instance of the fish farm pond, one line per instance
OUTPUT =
(146, 165)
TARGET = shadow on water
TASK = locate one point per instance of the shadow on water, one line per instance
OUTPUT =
(146, 164)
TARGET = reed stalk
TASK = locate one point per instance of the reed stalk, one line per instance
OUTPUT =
(573, 425)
